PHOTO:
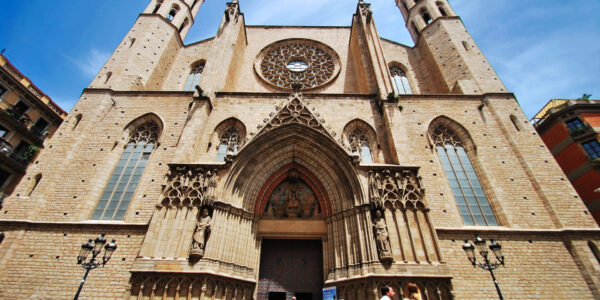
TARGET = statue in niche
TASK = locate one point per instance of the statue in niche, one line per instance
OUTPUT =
(200, 235)
(293, 198)
(382, 237)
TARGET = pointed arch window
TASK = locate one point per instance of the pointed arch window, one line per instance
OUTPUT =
(229, 143)
(157, 7)
(194, 77)
(470, 197)
(440, 6)
(172, 12)
(185, 22)
(126, 175)
(426, 16)
(400, 81)
(359, 143)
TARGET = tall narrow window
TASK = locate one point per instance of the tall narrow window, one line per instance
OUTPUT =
(194, 77)
(126, 175)
(414, 27)
(441, 9)
(400, 81)
(157, 7)
(229, 143)
(592, 148)
(36, 181)
(359, 143)
(426, 16)
(515, 122)
(185, 22)
(595, 250)
(470, 198)
(172, 12)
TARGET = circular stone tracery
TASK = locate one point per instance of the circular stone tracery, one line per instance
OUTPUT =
(297, 63)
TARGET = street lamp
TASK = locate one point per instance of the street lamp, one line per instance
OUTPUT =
(481, 244)
(95, 248)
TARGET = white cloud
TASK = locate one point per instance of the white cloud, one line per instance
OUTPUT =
(91, 63)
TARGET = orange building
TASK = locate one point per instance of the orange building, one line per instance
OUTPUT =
(570, 128)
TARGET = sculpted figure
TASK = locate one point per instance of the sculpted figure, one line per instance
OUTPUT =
(199, 238)
(381, 234)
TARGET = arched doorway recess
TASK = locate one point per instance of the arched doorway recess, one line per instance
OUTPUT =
(265, 162)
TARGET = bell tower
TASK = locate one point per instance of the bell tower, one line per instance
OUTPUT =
(444, 43)
(143, 58)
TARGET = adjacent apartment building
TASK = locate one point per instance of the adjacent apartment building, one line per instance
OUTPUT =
(28, 117)
(570, 128)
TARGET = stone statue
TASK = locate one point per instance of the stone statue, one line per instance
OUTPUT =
(200, 235)
(381, 234)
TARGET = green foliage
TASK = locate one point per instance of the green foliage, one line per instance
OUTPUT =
(30, 152)
(585, 97)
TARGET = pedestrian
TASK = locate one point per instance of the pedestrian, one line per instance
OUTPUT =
(388, 293)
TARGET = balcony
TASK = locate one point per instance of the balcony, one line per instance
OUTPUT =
(22, 124)
(18, 116)
(14, 161)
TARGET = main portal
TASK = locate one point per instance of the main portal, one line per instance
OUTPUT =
(290, 268)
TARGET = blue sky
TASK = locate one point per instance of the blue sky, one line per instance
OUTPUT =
(541, 49)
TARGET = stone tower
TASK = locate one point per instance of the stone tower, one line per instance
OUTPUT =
(157, 35)
(443, 41)
(274, 161)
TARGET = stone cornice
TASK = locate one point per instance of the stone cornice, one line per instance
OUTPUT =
(286, 94)
(79, 224)
(517, 231)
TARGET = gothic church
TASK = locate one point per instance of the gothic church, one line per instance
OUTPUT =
(274, 161)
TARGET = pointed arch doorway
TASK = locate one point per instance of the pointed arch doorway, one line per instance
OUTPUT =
(292, 206)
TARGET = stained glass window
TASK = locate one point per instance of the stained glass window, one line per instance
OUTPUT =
(126, 175)
(194, 77)
(400, 82)
(470, 197)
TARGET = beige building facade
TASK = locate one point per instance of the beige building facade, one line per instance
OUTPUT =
(273, 161)
(28, 118)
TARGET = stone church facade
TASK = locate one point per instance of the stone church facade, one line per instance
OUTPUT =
(271, 161)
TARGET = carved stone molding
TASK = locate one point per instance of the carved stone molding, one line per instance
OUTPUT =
(399, 186)
(365, 11)
(232, 12)
(190, 185)
(188, 286)
(405, 288)
(295, 111)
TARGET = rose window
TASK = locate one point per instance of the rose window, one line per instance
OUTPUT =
(297, 64)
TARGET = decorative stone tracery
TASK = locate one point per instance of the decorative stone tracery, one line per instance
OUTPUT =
(442, 135)
(146, 133)
(396, 196)
(190, 185)
(400, 187)
(297, 64)
(295, 110)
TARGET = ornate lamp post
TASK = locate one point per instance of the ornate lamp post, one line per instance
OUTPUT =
(92, 263)
(483, 251)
